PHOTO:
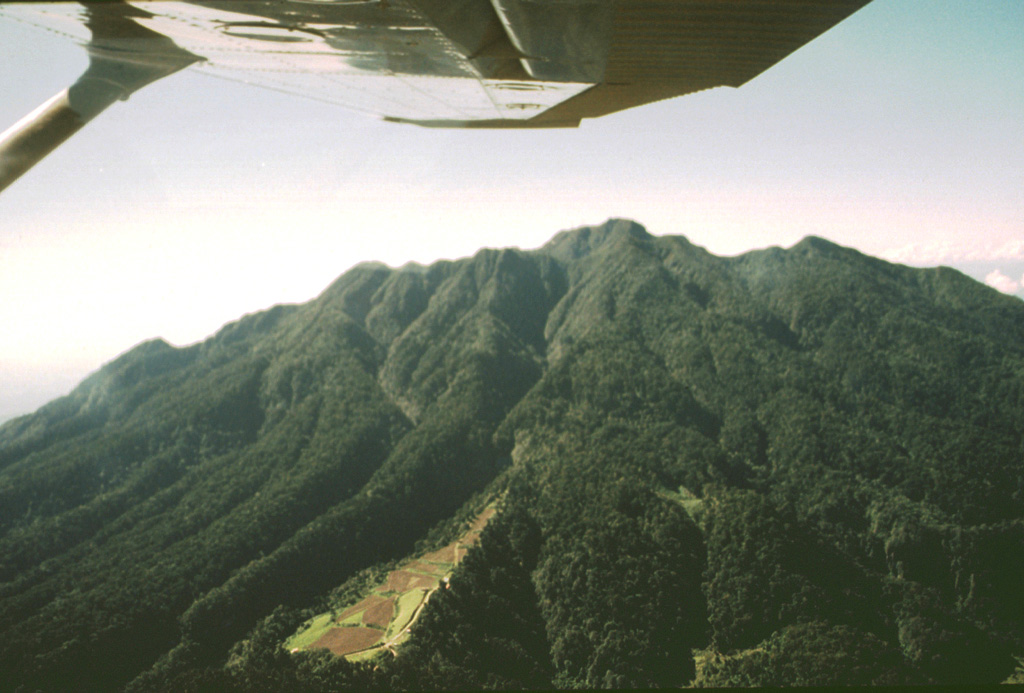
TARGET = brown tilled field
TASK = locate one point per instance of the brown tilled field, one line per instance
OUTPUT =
(369, 602)
(380, 614)
(445, 555)
(403, 580)
(343, 641)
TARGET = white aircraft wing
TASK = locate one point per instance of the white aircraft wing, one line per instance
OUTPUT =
(445, 63)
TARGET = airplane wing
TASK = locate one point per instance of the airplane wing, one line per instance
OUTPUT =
(441, 63)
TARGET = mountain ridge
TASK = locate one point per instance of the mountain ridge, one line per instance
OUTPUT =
(570, 244)
(185, 503)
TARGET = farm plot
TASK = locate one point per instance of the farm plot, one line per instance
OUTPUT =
(448, 554)
(408, 605)
(380, 615)
(433, 570)
(383, 617)
(404, 580)
(310, 633)
(369, 602)
(343, 641)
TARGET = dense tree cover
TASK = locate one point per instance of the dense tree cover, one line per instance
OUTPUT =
(485, 629)
(810, 654)
(791, 467)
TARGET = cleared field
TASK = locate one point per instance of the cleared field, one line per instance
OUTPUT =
(446, 555)
(380, 615)
(355, 619)
(407, 606)
(371, 600)
(693, 505)
(311, 633)
(481, 522)
(403, 581)
(427, 568)
(367, 654)
(343, 641)
(380, 620)
(472, 535)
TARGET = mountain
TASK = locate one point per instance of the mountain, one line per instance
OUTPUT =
(789, 467)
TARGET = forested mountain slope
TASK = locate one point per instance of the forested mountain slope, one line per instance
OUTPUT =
(788, 467)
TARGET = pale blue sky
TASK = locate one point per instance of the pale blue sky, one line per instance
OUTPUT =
(900, 132)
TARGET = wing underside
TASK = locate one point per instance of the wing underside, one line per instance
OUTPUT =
(509, 63)
(440, 63)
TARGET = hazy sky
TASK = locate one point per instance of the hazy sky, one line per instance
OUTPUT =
(900, 132)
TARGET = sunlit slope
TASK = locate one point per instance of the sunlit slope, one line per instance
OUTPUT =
(803, 464)
(382, 619)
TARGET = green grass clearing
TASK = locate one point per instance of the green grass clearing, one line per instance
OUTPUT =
(406, 607)
(311, 633)
(693, 505)
(355, 619)
(366, 655)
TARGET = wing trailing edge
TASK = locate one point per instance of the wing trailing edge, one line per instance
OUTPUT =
(436, 63)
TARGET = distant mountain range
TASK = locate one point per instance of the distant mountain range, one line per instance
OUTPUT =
(790, 467)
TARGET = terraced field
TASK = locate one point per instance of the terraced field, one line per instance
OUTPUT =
(383, 618)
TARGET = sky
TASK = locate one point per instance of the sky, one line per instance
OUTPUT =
(900, 132)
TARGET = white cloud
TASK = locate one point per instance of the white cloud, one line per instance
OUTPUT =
(1012, 250)
(999, 281)
(921, 253)
(947, 252)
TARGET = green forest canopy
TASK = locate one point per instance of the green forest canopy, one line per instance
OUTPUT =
(790, 467)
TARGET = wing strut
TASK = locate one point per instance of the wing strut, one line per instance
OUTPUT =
(123, 57)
